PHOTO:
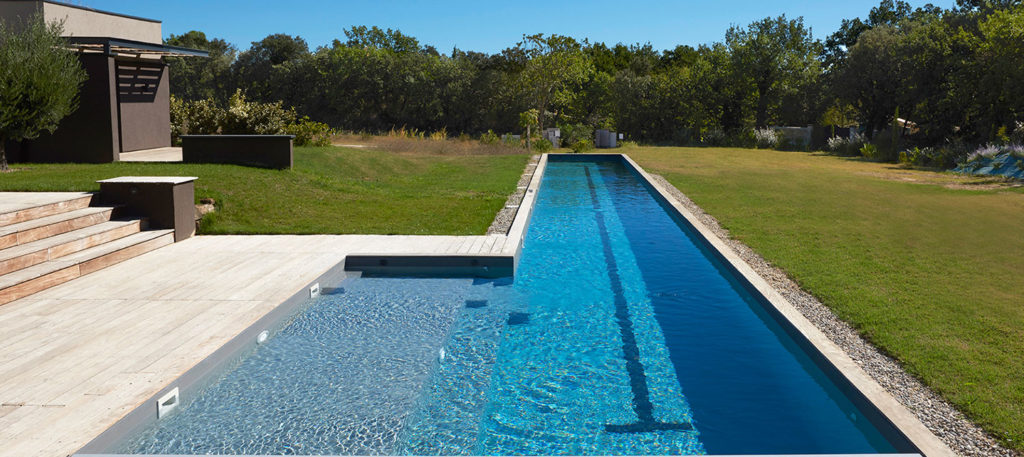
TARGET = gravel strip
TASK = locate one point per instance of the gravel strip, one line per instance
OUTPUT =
(503, 220)
(962, 436)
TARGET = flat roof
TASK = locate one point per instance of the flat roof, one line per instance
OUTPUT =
(120, 46)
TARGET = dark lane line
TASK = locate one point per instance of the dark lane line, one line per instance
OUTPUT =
(631, 352)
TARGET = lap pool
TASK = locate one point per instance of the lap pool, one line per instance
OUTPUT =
(620, 334)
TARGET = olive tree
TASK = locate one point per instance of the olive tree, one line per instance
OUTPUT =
(39, 81)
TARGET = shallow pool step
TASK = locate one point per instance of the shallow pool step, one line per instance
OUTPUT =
(25, 206)
(27, 281)
(33, 253)
(43, 227)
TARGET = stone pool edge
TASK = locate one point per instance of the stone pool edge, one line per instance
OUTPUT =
(901, 418)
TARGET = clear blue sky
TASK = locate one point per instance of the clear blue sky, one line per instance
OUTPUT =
(481, 25)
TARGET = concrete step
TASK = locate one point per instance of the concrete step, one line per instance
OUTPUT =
(37, 229)
(26, 255)
(27, 281)
(18, 207)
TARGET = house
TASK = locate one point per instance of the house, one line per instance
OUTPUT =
(125, 103)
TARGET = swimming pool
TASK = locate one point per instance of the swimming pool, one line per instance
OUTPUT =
(620, 334)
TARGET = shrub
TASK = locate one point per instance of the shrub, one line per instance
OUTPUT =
(869, 151)
(582, 146)
(310, 133)
(837, 145)
(910, 156)
(255, 118)
(713, 137)
(440, 135)
(490, 138)
(200, 117)
(574, 133)
(766, 139)
(541, 145)
(511, 141)
(1017, 136)
(628, 144)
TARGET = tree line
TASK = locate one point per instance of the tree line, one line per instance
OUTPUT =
(953, 74)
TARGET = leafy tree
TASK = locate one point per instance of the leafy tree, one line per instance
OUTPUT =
(777, 56)
(392, 40)
(195, 78)
(871, 78)
(39, 80)
(253, 69)
(551, 76)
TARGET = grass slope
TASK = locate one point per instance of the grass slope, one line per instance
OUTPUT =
(330, 190)
(927, 269)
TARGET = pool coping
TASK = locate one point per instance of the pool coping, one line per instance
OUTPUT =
(495, 265)
(893, 411)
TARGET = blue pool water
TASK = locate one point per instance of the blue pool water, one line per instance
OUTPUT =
(618, 335)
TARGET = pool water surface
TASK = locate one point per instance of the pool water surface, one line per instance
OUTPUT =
(619, 335)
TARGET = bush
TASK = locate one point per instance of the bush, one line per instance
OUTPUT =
(911, 157)
(628, 144)
(254, 118)
(541, 145)
(200, 117)
(582, 146)
(713, 137)
(310, 133)
(837, 144)
(242, 117)
(766, 139)
(869, 151)
(490, 138)
(440, 135)
(1017, 137)
(574, 133)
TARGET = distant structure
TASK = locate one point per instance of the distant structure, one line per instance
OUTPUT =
(553, 135)
(125, 104)
(604, 139)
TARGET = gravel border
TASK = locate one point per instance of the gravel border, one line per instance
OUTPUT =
(945, 421)
(503, 220)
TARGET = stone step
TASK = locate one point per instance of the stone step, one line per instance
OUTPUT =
(18, 207)
(37, 229)
(27, 281)
(36, 252)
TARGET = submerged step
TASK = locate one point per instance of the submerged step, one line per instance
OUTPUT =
(28, 281)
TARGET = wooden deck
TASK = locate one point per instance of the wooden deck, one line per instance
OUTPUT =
(79, 356)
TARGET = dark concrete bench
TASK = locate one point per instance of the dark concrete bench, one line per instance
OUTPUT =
(264, 151)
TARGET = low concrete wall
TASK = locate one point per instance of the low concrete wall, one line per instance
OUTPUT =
(264, 151)
(167, 201)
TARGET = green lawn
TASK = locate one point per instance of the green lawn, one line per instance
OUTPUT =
(929, 266)
(330, 190)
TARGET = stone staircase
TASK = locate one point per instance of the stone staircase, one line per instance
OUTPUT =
(49, 239)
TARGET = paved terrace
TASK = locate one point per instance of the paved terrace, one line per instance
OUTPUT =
(79, 356)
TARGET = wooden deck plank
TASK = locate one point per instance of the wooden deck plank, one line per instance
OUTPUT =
(86, 352)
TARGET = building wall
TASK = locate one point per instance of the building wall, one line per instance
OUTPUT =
(143, 95)
(90, 134)
(85, 22)
(14, 13)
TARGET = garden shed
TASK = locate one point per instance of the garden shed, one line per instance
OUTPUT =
(124, 105)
